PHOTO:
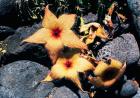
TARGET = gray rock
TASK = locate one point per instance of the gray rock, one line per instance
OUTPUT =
(134, 5)
(23, 12)
(20, 34)
(5, 31)
(6, 7)
(8, 14)
(19, 51)
(90, 18)
(129, 88)
(137, 95)
(139, 62)
(64, 92)
(20, 80)
(123, 48)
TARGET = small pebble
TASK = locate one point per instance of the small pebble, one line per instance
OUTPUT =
(129, 88)
(137, 95)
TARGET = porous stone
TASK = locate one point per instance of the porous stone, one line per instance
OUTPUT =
(137, 95)
(16, 50)
(21, 79)
(8, 12)
(90, 18)
(5, 31)
(134, 5)
(129, 88)
(64, 92)
(123, 48)
(139, 62)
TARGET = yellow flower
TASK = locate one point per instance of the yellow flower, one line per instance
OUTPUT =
(56, 33)
(68, 66)
(107, 74)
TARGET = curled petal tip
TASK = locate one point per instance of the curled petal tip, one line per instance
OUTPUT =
(47, 79)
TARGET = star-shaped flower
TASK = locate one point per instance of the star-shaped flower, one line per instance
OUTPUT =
(68, 66)
(56, 33)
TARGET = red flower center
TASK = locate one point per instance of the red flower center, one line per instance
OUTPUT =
(68, 64)
(56, 33)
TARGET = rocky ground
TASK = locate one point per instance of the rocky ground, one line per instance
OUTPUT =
(24, 65)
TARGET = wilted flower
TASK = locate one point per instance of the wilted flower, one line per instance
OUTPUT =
(68, 66)
(56, 33)
(94, 30)
(107, 74)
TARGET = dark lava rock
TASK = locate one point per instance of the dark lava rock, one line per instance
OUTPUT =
(7, 11)
(137, 95)
(124, 48)
(90, 18)
(17, 51)
(134, 5)
(64, 92)
(129, 88)
(20, 34)
(21, 79)
(21, 12)
(139, 62)
(5, 32)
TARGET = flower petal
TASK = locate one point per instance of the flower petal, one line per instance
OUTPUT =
(83, 65)
(50, 20)
(70, 39)
(85, 27)
(48, 78)
(67, 20)
(58, 71)
(39, 37)
(54, 47)
(74, 77)
(100, 68)
(115, 63)
(98, 82)
(120, 73)
(101, 33)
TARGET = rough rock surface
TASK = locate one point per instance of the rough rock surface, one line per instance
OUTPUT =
(7, 12)
(129, 88)
(20, 80)
(5, 31)
(124, 48)
(64, 92)
(90, 18)
(137, 95)
(16, 50)
(134, 5)
(139, 62)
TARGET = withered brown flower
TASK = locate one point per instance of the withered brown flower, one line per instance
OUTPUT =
(107, 74)
(92, 34)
